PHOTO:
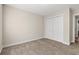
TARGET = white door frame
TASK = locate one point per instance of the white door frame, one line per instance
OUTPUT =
(77, 14)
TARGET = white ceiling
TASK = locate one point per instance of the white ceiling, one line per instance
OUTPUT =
(45, 9)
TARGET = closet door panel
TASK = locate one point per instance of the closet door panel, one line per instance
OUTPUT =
(54, 28)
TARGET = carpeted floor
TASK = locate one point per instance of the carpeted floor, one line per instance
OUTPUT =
(42, 47)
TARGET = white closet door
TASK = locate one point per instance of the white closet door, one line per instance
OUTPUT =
(54, 28)
(59, 28)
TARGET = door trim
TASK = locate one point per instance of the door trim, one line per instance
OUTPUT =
(77, 14)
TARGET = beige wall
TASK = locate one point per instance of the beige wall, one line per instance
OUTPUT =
(0, 27)
(21, 26)
(67, 26)
(71, 25)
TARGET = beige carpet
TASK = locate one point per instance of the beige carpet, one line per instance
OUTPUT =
(42, 47)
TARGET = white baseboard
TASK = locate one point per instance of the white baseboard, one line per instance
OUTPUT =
(66, 43)
(21, 42)
(58, 41)
(32, 40)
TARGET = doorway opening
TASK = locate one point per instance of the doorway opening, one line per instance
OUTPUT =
(76, 28)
